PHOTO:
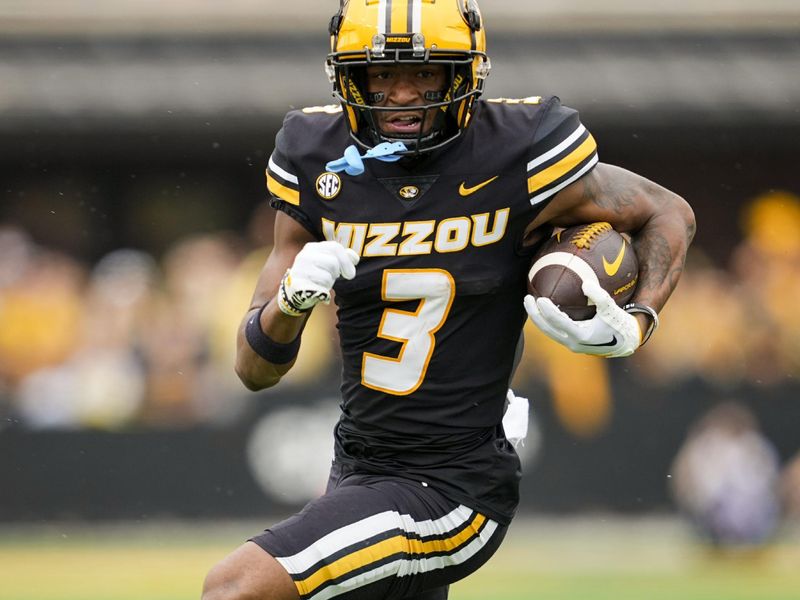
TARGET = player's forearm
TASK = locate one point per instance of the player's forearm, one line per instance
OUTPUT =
(253, 369)
(661, 246)
(661, 223)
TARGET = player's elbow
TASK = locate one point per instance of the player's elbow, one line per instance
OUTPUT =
(256, 385)
(677, 213)
(689, 221)
(257, 377)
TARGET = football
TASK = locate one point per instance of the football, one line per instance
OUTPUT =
(570, 256)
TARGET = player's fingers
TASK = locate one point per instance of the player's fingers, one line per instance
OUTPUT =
(596, 294)
(345, 259)
(606, 305)
(556, 318)
(535, 314)
(324, 266)
(348, 261)
(530, 305)
(352, 255)
(335, 260)
(554, 322)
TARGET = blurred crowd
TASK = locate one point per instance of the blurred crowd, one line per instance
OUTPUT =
(129, 340)
(135, 340)
(740, 323)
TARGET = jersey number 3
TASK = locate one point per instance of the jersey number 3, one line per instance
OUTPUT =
(435, 289)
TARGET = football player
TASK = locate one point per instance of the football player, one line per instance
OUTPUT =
(417, 203)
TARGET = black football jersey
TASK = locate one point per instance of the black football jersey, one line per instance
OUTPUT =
(429, 326)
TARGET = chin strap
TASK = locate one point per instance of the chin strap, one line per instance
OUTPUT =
(352, 162)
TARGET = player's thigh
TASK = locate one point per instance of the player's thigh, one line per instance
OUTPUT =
(248, 572)
(439, 593)
(381, 538)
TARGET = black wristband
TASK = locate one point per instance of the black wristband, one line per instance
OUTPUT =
(267, 348)
(635, 307)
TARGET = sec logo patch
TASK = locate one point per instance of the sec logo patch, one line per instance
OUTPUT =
(329, 185)
(408, 192)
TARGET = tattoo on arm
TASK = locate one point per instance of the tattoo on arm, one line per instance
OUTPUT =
(609, 193)
(658, 266)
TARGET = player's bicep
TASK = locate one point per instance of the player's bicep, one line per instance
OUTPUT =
(607, 193)
(290, 237)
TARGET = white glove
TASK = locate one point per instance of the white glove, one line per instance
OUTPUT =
(515, 421)
(612, 332)
(310, 278)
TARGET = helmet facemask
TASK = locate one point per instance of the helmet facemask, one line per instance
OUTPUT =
(450, 105)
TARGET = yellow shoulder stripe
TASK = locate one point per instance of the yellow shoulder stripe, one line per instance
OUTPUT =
(281, 191)
(563, 166)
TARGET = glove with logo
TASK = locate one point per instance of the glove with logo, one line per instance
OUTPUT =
(612, 332)
(310, 278)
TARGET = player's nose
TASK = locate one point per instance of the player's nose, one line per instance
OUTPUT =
(404, 92)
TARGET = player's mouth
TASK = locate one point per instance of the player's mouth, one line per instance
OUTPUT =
(402, 123)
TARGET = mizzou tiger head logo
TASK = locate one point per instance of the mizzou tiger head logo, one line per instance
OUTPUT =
(408, 192)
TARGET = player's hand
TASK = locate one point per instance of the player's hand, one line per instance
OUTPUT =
(310, 278)
(612, 332)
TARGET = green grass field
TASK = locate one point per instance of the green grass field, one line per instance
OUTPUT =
(587, 558)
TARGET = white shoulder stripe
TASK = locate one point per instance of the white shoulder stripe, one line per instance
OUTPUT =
(282, 172)
(367, 528)
(558, 149)
(554, 190)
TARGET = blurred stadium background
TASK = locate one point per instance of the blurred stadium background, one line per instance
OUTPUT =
(133, 222)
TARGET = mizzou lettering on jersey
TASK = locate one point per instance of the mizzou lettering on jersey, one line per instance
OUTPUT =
(412, 238)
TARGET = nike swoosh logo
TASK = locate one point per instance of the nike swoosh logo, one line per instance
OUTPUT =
(613, 342)
(611, 268)
(466, 191)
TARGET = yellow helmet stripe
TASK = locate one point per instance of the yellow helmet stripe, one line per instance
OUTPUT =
(399, 9)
